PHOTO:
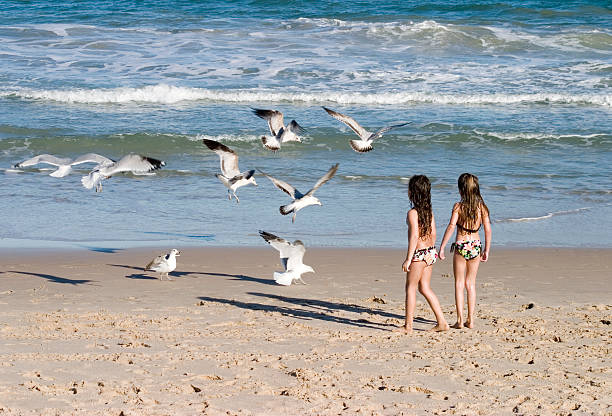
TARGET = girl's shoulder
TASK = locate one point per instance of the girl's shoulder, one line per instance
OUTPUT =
(411, 213)
(457, 206)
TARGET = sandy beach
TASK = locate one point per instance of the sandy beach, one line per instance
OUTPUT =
(86, 332)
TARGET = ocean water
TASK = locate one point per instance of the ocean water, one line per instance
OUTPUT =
(518, 93)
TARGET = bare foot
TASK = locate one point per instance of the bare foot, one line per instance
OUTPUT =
(403, 330)
(440, 328)
(457, 325)
(469, 324)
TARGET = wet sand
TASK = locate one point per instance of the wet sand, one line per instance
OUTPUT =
(86, 332)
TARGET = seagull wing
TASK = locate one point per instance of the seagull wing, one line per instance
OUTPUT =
(45, 158)
(134, 163)
(283, 246)
(227, 157)
(296, 254)
(385, 129)
(244, 175)
(155, 262)
(274, 118)
(330, 174)
(284, 186)
(291, 133)
(349, 121)
(93, 158)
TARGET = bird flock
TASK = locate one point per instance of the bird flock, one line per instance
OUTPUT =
(291, 254)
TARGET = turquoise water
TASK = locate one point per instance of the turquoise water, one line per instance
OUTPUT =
(517, 93)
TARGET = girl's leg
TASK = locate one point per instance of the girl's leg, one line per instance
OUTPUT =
(412, 283)
(432, 299)
(470, 285)
(459, 266)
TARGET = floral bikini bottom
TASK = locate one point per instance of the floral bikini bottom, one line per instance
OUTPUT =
(468, 249)
(429, 255)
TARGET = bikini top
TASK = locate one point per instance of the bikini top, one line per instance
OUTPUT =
(467, 230)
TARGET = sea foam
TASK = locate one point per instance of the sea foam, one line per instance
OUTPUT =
(169, 94)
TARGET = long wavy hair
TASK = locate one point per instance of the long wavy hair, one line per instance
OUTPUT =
(419, 193)
(471, 205)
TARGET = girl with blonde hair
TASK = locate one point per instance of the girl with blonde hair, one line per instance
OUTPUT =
(468, 215)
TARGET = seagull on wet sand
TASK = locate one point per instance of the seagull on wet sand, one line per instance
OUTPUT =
(136, 164)
(300, 200)
(64, 165)
(364, 144)
(291, 255)
(164, 264)
(230, 175)
(280, 132)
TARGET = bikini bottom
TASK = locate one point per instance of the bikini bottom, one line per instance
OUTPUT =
(468, 249)
(429, 255)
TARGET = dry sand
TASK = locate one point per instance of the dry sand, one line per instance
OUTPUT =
(92, 333)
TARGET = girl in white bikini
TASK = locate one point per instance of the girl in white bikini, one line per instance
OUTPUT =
(421, 253)
(468, 215)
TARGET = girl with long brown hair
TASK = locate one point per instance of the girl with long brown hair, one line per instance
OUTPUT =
(468, 216)
(421, 253)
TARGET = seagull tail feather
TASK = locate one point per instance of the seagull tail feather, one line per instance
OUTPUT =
(284, 279)
(286, 209)
(91, 180)
(358, 146)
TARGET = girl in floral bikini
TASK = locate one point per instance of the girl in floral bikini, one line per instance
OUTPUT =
(421, 253)
(468, 215)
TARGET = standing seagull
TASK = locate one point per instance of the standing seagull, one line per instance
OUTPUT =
(230, 173)
(291, 255)
(280, 133)
(300, 200)
(64, 165)
(164, 264)
(364, 144)
(136, 164)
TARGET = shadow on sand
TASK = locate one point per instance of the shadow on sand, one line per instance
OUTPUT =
(333, 306)
(149, 275)
(103, 249)
(54, 279)
(303, 309)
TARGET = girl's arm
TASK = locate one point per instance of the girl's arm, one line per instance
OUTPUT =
(413, 237)
(452, 223)
(486, 222)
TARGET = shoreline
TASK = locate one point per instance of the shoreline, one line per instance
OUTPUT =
(89, 332)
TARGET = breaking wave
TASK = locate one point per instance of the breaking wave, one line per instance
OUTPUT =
(168, 94)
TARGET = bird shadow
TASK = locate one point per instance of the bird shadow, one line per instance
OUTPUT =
(176, 273)
(242, 277)
(142, 276)
(103, 249)
(301, 313)
(55, 279)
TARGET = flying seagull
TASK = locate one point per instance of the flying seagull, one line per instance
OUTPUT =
(301, 200)
(136, 164)
(364, 144)
(230, 175)
(280, 132)
(291, 255)
(64, 165)
(164, 264)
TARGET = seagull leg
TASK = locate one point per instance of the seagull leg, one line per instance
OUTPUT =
(236, 196)
(302, 280)
(293, 218)
(229, 195)
(168, 276)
